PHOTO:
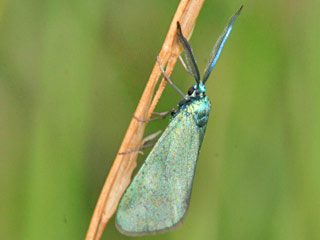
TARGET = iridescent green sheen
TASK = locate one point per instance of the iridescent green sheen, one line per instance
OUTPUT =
(158, 196)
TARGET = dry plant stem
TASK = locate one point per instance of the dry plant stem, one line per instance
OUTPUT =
(123, 166)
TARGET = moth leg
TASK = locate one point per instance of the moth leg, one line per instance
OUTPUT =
(165, 114)
(137, 149)
(151, 138)
(147, 120)
(162, 115)
(169, 80)
(145, 143)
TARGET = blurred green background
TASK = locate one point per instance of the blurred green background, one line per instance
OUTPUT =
(72, 73)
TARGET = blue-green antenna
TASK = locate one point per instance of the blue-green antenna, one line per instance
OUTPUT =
(158, 197)
(219, 45)
(192, 65)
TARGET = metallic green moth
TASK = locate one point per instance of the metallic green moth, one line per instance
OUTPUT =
(158, 197)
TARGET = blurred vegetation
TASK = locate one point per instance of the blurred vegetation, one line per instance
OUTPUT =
(72, 73)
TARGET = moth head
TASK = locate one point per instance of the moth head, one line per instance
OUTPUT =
(197, 90)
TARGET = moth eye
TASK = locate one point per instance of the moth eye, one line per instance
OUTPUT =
(197, 93)
(190, 91)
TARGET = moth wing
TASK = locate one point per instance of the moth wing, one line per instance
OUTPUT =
(158, 197)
